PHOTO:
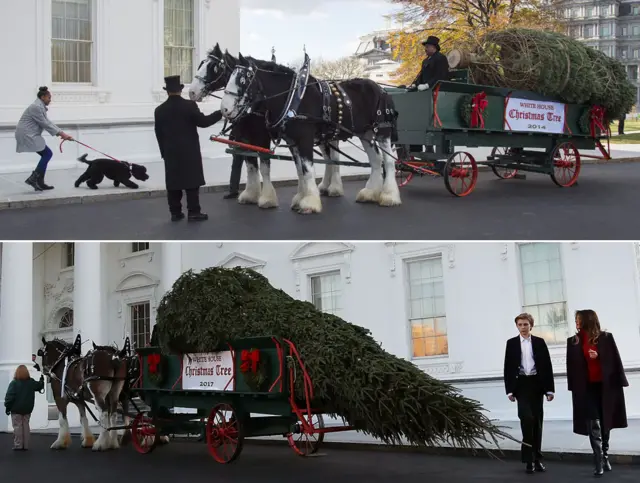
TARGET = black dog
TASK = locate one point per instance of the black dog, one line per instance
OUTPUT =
(119, 172)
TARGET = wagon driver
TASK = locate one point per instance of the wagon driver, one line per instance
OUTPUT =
(434, 68)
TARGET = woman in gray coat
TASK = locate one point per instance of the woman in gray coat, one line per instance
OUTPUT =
(29, 138)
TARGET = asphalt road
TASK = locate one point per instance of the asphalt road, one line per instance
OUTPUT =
(603, 206)
(187, 462)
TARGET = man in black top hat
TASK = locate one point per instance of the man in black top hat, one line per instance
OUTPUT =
(434, 68)
(176, 125)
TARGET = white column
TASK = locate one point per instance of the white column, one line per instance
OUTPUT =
(87, 294)
(171, 264)
(16, 313)
(16, 299)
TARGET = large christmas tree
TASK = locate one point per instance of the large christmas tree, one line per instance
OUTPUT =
(553, 64)
(353, 377)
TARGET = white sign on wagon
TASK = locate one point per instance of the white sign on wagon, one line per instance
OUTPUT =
(208, 371)
(534, 116)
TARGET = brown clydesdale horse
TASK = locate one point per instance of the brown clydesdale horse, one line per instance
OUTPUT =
(96, 378)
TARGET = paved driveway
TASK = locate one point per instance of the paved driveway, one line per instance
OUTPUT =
(188, 462)
(603, 206)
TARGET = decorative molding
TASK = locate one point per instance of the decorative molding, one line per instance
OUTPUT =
(207, 4)
(391, 250)
(296, 272)
(51, 324)
(574, 245)
(56, 291)
(249, 261)
(504, 253)
(441, 368)
(145, 281)
(451, 252)
(305, 250)
(559, 360)
(136, 255)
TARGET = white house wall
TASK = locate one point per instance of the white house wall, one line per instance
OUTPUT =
(114, 114)
(482, 296)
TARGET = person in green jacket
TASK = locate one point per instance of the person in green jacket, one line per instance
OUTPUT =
(19, 403)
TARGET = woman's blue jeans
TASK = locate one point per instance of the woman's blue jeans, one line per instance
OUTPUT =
(45, 156)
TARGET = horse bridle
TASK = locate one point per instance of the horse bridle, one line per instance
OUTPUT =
(218, 65)
(64, 352)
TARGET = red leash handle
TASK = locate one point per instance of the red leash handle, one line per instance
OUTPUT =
(92, 148)
(250, 147)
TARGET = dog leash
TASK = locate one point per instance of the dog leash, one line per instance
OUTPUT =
(92, 148)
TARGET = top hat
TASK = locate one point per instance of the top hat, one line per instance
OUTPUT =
(431, 40)
(173, 84)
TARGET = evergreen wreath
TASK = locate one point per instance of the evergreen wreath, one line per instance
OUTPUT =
(156, 368)
(466, 109)
(254, 367)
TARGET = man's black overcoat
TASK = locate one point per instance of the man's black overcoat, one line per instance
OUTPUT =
(176, 125)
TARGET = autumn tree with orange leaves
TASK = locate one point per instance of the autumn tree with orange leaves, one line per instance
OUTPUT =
(460, 24)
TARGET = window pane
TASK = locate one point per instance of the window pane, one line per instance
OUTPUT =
(427, 308)
(326, 292)
(179, 38)
(72, 42)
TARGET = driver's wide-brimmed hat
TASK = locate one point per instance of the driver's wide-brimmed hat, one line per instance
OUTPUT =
(432, 40)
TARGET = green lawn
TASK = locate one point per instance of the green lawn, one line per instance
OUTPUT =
(627, 138)
(629, 125)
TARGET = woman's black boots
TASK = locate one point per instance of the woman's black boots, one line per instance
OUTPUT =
(36, 181)
(595, 438)
(605, 450)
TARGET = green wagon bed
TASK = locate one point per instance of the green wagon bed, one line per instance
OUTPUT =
(246, 388)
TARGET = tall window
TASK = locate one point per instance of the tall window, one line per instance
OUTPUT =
(72, 41)
(427, 313)
(326, 292)
(68, 255)
(543, 290)
(179, 38)
(139, 246)
(140, 324)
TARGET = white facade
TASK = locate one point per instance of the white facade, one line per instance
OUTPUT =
(461, 299)
(104, 62)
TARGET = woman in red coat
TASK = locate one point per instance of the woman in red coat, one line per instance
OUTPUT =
(596, 378)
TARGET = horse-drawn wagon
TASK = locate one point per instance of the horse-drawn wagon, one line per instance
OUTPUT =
(245, 389)
(526, 131)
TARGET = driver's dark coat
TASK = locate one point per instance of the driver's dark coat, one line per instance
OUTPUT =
(434, 69)
(176, 126)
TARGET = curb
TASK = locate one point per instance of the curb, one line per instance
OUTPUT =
(505, 454)
(139, 195)
(158, 193)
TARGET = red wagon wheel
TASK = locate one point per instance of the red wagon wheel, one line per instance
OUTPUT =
(403, 177)
(224, 434)
(460, 174)
(144, 434)
(566, 165)
(502, 172)
(305, 444)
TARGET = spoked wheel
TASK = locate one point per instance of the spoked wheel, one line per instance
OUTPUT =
(502, 172)
(144, 434)
(460, 174)
(307, 444)
(566, 165)
(224, 434)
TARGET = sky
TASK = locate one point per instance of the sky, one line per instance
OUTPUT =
(329, 29)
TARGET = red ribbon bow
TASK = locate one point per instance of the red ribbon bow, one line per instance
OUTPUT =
(153, 361)
(478, 104)
(597, 120)
(250, 359)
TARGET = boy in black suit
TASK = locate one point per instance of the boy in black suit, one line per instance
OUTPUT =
(528, 377)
